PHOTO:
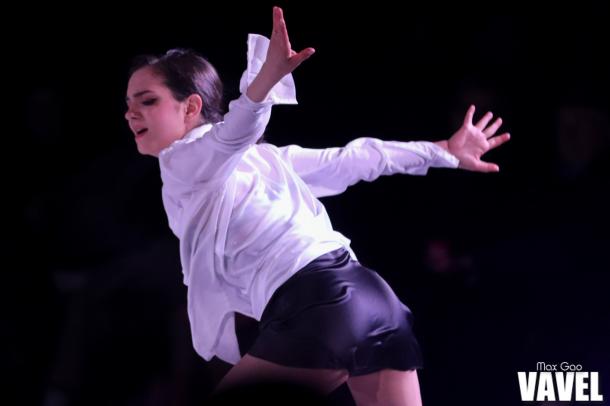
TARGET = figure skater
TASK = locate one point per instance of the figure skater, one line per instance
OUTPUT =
(255, 239)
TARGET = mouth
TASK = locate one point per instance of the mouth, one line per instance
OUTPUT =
(141, 132)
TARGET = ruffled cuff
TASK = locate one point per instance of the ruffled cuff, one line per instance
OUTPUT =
(284, 91)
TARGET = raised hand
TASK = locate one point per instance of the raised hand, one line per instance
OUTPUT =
(280, 60)
(471, 141)
(280, 56)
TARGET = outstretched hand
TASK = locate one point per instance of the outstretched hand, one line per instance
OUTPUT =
(471, 141)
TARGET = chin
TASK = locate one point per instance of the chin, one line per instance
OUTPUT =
(143, 150)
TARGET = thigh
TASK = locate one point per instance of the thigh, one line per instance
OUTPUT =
(386, 387)
(252, 370)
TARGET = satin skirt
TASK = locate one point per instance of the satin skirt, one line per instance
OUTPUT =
(337, 314)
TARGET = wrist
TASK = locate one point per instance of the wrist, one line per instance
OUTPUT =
(444, 144)
(270, 72)
(262, 83)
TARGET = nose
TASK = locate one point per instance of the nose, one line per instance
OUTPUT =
(131, 114)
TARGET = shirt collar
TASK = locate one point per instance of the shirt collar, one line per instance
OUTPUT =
(189, 137)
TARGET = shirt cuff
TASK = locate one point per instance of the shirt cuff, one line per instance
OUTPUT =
(441, 158)
(284, 91)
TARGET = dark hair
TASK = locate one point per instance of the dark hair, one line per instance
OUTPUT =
(185, 72)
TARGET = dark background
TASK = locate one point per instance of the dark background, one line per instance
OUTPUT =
(501, 270)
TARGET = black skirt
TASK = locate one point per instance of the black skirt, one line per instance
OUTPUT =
(337, 314)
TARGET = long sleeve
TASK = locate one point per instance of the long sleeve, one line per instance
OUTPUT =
(209, 156)
(331, 171)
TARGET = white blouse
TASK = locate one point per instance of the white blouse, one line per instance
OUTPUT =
(247, 215)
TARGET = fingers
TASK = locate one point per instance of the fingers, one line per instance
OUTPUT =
(498, 140)
(484, 121)
(491, 130)
(297, 59)
(278, 17)
(494, 142)
(281, 32)
(279, 28)
(482, 166)
(469, 115)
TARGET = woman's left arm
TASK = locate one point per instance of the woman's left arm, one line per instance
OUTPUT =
(280, 61)
(331, 171)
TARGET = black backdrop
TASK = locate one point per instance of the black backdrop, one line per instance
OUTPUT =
(501, 270)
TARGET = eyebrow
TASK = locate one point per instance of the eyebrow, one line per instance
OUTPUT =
(138, 94)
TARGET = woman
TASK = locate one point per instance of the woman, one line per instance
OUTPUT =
(254, 238)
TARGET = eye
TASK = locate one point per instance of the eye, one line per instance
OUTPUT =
(149, 102)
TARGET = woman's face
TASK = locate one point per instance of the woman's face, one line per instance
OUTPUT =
(155, 117)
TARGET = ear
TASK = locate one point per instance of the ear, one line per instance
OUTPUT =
(194, 104)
